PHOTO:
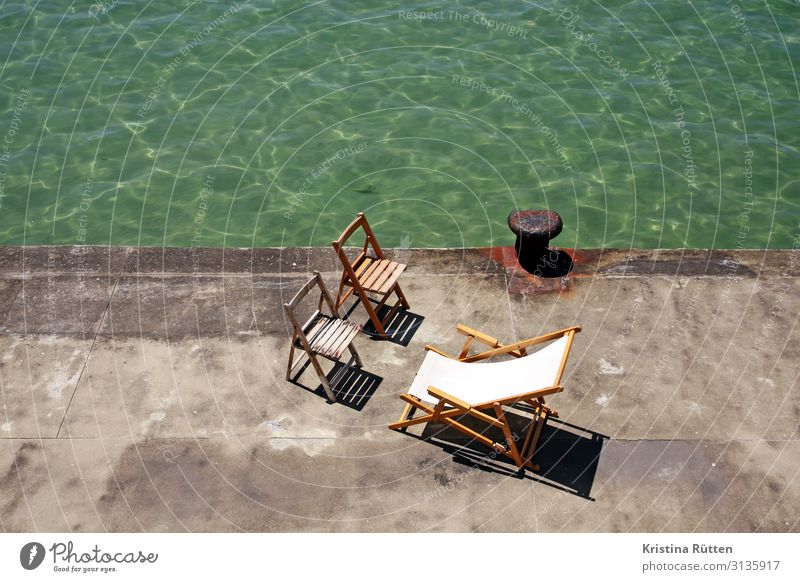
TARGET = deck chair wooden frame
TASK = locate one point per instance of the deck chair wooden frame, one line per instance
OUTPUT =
(322, 335)
(370, 273)
(451, 410)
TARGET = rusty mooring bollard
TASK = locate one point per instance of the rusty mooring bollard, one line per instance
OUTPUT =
(535, 229)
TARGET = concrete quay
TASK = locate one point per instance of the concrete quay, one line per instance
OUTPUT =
(143, 389)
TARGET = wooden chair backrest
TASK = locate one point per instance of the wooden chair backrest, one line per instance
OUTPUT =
(324, 299)
(369, 241)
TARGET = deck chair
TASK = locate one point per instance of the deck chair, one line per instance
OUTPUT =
(450, 389)
(322, 335)
(370, 273)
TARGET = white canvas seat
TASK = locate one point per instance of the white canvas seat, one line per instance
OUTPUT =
(479, 382)
(448, 388)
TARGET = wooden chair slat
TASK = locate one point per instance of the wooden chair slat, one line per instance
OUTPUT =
(365, 264)
(329, 330)
(375, 266)
(371, 279)
(387, 273)
(385, 285)
(316, 327)
(348, 334)
(332, 338)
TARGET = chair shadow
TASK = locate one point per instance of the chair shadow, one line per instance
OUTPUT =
(400, 329)
(548, 264)
(352, 386)
(567, 455)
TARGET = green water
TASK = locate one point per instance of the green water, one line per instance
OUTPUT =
(271, 123)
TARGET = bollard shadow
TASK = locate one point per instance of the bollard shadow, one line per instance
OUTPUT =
(548, 264)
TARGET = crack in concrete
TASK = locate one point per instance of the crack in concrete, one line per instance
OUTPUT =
(94, 340)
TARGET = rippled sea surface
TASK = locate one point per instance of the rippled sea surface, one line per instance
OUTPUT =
(644, 124)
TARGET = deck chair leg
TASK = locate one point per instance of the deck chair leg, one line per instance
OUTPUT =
(512, 445)
(408, 411)
(325, 385)
(535, 431)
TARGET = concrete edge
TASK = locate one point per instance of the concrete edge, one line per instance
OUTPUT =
(108, 260)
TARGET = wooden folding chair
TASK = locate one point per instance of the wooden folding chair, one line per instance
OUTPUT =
(370, 273)
(322, 335)
(449, 389)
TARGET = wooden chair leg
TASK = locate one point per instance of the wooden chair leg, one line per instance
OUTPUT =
(353, 351)
(534, 432)
(408, 412)
(512, 445)
(339, 299)
(291, 361)
(322, 378)
(373, 317)
(387, 319)
(401, 296)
